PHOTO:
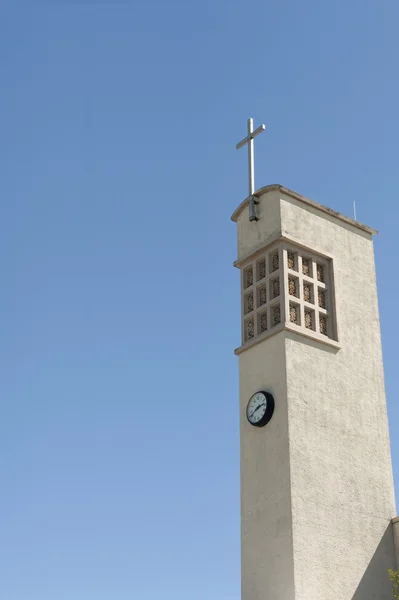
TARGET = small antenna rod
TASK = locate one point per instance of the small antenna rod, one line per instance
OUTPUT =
(354, 210)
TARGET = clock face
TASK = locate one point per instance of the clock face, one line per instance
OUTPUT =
(260, 409)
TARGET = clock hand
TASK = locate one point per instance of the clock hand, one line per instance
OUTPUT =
(257, 408)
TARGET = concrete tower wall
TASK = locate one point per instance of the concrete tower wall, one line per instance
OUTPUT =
(317, 491)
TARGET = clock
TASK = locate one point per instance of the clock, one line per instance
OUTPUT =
(260, 409)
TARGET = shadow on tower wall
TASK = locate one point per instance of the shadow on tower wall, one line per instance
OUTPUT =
(375, 584)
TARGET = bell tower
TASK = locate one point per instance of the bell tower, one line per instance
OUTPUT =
(317, 496)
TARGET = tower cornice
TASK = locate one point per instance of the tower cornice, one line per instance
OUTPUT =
(275, 186)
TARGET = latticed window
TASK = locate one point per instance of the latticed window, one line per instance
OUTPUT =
(291, 260)
(262, 286)
(276, 287)
(309, 318)
(276, 311)
(308, 291)
(249, 328)
(307, 266)
(263, 321)
(293, 286)
(249, 302)
(320, 272)
(275, 261)
(261, 269)
(294, 313)
(313, 280)
(323, 324)
(287, 287)
(262, 296)
(322, 298)
(248, 277)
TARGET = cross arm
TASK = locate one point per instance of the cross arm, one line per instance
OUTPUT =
(251, 136)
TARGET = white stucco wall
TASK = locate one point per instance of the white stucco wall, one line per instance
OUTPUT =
(266, 523)
(256, 234)
(341, 473)
(322, 466)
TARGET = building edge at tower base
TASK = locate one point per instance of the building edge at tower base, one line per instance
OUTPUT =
(395, 529)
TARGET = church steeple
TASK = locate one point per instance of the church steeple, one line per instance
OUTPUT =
(317, 496)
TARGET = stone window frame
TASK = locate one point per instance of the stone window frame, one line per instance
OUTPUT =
(315, 314)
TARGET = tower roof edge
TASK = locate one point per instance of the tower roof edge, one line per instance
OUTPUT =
(275, 186)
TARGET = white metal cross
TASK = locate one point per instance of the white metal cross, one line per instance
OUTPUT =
(249, 139)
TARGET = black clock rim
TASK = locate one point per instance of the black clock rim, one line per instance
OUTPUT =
(269, 409)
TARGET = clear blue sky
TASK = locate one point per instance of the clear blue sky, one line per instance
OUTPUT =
(119, 451)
